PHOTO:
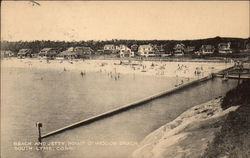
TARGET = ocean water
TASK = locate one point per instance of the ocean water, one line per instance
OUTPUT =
(59, 98)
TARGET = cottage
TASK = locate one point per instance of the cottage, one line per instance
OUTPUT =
(22, 53)
(7, 53)
(206, 49)
(134, 48)
(224, 48)
(122, 48)
(48, 53)
(109, 49)
(67, 54)
(146, 50)
(127, 54)
(83, 52)
(76, 52)
(124, 51)
(246, 48)
(179, 49)
(159, 50)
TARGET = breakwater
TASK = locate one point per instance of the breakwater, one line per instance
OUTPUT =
(131, 105)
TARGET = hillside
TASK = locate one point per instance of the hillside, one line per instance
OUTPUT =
(206, 130)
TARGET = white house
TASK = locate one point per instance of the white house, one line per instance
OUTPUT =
(146, 50)
(109, 48)
(224, 48)
(206, 49)
(124, 51)
(179, 49)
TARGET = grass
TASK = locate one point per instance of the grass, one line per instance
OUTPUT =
(233, 140)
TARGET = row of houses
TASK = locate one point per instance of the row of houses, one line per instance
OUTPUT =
(135, 50)
(147, 50)
(179, 49)
(70, 53)
(223, 48)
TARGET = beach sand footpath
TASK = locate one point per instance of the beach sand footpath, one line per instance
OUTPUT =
(191, 70)
(186, 136)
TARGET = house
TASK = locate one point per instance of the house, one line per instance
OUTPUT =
(7, 53)
(146, 50)
(124, 51)
(76, 52)
(122, 47)
(206, 49)
(67, 54)
(134, 48)
(189, 50)
(109, 48)
(224, 48)
(23, 53)
(246, 48)
(159, 50)
(83, 52)
(127, 54)
(48, 53)
(179, 49)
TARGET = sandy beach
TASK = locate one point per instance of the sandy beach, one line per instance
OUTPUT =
(192, 70)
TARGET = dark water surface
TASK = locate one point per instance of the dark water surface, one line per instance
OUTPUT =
(59, 98)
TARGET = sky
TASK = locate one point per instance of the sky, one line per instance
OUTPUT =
(140, 20)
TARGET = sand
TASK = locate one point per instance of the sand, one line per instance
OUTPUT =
(168, 69)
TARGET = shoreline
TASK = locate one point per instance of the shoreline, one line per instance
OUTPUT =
(176, 59)
(152, 68)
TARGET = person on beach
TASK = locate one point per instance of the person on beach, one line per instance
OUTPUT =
(82, 73)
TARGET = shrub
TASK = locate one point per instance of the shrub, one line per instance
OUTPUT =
(238, 95)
